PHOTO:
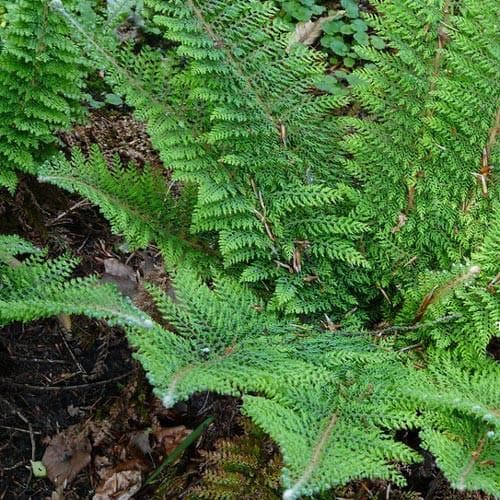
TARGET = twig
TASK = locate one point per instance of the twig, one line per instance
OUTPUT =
(18, 429)
(33, 445)
(66, 212)
(65, 387)
(80, 367)
(39, 360)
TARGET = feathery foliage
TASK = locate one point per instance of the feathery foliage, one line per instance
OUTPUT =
(313, 213)
(318, 393)
(240, 467)
(41, 75)
(424, 153)
(280, 211)
(139, 205)
(36, 288)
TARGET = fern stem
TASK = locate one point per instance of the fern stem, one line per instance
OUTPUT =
(472, 461)
(294, 491)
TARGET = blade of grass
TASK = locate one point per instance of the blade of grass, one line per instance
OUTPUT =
(172, 457)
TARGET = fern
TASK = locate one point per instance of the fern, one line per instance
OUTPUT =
(240, 467)
(462, 421)
(275, 207)
(139, 205)
(316, 384)
(312, 213)
(467, 294)
(40, 85)
(35, 288)
(429, 132)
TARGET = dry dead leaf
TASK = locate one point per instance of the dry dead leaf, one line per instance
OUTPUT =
(121, 275)
(116, 268)
(140, 441)
(402, 218)
(121, 485)
(65, 322)
(308, 32)
(170, 437)
(66, 455)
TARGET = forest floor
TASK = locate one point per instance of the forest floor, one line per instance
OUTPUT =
(71, 391)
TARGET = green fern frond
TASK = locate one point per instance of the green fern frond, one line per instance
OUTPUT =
(433, 103)
(231, 83)
(460, 420)
(139, 205)
(35, 288)
(40, 85)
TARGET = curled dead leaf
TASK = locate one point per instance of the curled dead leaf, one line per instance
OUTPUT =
(402, 218)
(66, 455)
(170, 437)
(122, 275)
(119, 485)
(308, 32)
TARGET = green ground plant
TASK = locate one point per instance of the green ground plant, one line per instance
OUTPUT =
(337, 272)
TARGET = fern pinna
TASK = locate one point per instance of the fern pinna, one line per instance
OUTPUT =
(41, 76)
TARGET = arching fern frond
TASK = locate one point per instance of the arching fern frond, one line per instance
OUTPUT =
(36, 288)
(139, 205)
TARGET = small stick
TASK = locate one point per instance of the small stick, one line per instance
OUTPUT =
(18, 429)
(65, 387)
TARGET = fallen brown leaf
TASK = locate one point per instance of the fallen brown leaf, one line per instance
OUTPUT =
(308, 32)
(66, 455)
(121, 275)
(121, 485)
(402, 218)
(170, 437)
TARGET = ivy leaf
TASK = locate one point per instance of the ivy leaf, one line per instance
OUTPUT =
(377, 42)
(359, 25)
(347, 29)
(349, 62)
(332, 27)
(351, 8)
(113, 99)
(302, 11)
(361, 37)
(331, 85)
(338, 46)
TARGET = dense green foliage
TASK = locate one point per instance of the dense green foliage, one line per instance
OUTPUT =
(285, 209)
(40, 80)
(433, 106)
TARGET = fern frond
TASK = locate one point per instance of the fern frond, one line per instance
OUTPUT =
(139, 205)
(41, 78)
(231, 83)
(35, 288)
(428, 132)
(460, 420)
